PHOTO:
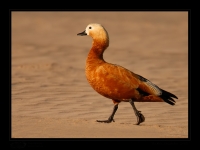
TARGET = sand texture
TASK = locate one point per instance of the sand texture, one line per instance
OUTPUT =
(51, 97)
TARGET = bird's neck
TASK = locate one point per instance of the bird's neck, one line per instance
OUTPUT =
(98, 48)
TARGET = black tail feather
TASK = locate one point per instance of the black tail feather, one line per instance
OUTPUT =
(167, 97)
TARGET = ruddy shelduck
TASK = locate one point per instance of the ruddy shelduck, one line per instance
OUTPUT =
(116, 82)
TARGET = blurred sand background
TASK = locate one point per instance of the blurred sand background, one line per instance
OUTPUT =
(51, 97)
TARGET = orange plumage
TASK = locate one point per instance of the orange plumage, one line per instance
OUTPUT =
(115, 82)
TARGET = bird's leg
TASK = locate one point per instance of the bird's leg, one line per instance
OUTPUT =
(140, 117)
(111, 118)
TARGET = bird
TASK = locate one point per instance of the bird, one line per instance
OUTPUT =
(116, 82)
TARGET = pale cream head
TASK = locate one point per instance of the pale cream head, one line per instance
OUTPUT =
(96, 31)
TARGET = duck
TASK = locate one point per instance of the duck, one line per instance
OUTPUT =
(116, 82)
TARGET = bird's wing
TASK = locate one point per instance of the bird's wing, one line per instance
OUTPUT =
(135, 81)
(128, 81)
(147, 86)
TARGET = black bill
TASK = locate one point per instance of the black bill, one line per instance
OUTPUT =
(82, 33)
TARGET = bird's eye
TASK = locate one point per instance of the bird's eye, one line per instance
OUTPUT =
(90, 27)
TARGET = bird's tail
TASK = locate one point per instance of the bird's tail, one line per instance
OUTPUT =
(168, 97)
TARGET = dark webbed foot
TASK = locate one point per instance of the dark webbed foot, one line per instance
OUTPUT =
(110, 119)
(106, 121)
(139, 115)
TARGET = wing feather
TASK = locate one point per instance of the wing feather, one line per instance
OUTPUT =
(148, 87)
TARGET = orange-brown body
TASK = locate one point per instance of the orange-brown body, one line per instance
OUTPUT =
(115, 82)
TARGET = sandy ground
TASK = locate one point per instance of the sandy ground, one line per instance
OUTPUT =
(51, 97)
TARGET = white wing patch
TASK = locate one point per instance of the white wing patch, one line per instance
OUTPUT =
(153, 87)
